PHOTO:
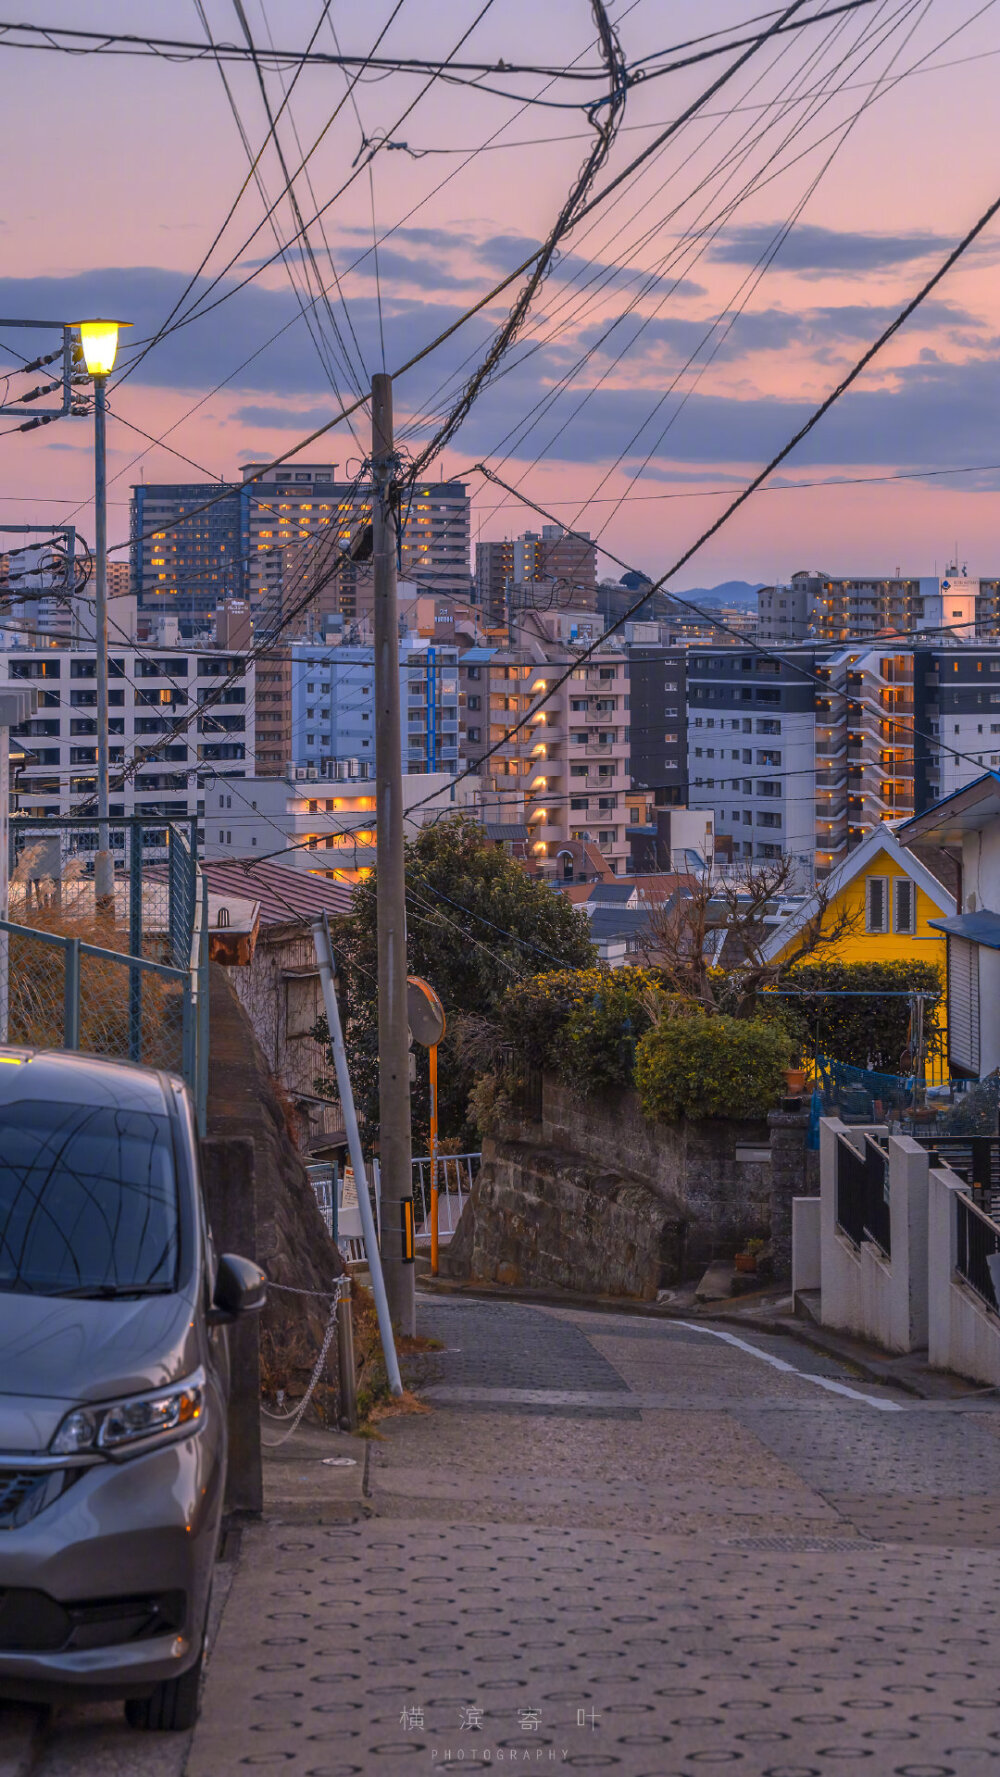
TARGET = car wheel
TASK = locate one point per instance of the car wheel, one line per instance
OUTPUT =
(173, 1705)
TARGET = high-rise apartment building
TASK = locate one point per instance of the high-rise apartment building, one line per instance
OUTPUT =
(542, 570)
(151, 692)
(185, 561)
(568, 768)
(259, 540)
(805, 752)
(292, 508)
(813, 606)
(657, 715)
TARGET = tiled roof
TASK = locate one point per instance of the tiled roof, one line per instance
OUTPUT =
(284, 895)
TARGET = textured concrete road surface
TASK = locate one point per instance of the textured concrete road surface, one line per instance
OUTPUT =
(613, 1544)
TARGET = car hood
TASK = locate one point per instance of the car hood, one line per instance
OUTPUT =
(56, 1353)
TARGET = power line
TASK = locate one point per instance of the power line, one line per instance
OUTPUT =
(741, 498)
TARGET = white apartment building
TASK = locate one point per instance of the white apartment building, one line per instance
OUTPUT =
(151, 690)
(317, 824)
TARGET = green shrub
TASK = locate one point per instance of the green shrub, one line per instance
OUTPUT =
(597, 1042)
(533, 1012)
(702, 1066)
(582, 1023)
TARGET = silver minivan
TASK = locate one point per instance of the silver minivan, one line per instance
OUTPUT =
(114, 1377)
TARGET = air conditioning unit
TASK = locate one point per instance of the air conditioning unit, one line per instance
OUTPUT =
(311, 772)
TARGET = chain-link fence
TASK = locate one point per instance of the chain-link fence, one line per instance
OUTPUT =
(52, 887)
(59, 992)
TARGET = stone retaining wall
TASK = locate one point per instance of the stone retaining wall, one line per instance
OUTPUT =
(591, 1196)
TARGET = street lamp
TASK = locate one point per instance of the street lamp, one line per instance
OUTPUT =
(99, 343)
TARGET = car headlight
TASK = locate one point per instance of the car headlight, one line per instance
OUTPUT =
(114, 1425)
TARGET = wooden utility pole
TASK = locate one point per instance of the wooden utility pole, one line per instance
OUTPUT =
(393, 1027)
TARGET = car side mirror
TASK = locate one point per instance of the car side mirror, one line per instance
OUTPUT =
(240, 1288)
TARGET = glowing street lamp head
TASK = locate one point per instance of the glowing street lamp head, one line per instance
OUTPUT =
(99, 340)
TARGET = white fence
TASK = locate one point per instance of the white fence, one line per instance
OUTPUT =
(455, 1175)
(902, 1252)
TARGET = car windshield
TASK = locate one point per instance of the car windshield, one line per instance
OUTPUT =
(88, 1200)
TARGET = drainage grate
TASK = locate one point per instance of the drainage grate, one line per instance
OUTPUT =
(802, 1545)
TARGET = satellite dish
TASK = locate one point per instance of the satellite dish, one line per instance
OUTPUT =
(424, 1011)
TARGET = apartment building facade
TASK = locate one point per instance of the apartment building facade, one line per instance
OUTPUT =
(151, 693)
(259, 540)
(292, 509)
(856, 737)
(333, 705)
(752, 751)
(568, 767)
(314, 821)
(814, 606)
(537, 570)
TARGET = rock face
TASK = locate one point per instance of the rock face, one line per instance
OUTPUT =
(587, 1195)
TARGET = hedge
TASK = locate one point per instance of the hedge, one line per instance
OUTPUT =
(712, 1066)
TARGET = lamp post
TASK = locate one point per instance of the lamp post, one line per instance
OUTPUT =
(99, 342)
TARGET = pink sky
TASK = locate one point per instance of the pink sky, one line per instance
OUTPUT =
(125, 169)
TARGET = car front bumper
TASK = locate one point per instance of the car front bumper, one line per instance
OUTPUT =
(106, 1588)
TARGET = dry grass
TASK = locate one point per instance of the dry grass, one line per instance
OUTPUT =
(36, 994)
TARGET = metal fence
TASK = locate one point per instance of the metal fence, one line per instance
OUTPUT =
(978, 1243)
(61, 990)
(976, 1160)
(455, 1175)
(863, 1193)
(52, 885)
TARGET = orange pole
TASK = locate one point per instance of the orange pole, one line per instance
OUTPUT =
(432, 1055)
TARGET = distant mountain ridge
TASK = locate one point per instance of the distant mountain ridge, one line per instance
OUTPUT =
(728, 592)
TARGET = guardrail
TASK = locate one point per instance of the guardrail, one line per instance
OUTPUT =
(455, 1176)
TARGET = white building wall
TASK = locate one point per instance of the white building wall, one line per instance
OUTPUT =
(863, 1291)
(963, 1336)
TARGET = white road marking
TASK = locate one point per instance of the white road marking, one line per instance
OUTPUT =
(778, 1363)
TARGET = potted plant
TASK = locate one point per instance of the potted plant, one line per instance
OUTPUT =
(746, 1261)
(795, 1081)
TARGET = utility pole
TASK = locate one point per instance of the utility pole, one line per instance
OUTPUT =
(393, 1025)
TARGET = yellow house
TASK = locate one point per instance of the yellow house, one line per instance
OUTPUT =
(890, 898)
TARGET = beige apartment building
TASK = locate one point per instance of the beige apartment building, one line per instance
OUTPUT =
(568, 767)
(293, 508)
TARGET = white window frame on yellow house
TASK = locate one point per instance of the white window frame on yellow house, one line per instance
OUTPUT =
(905, 923)
(876, 904)
(896, 899)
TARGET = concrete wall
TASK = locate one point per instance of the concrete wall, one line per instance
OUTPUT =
(963, 1335)
(863, 1291)
(806, 1243)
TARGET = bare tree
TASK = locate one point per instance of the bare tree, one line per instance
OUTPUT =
(709, 936)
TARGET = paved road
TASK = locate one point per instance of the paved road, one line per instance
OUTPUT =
(617, 1545)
